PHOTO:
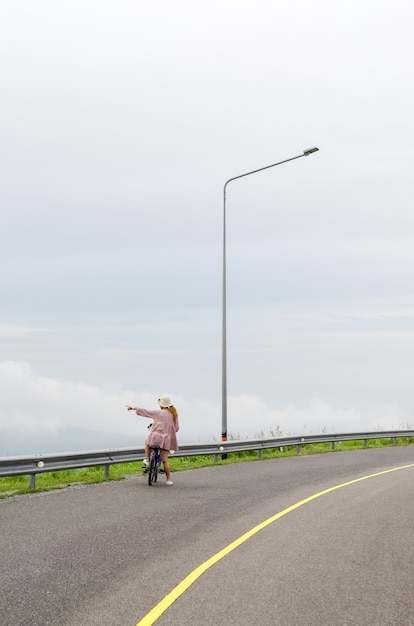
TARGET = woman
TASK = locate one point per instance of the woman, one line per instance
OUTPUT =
(163, 431)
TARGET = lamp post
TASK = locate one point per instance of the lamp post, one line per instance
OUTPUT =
(224, 323)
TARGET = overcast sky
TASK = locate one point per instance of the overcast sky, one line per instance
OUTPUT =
(120, 122)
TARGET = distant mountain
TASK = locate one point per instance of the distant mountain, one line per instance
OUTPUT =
(68, 440)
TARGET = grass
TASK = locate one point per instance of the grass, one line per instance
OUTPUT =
(18, 485)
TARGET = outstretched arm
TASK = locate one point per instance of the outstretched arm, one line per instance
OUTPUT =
(150, 413)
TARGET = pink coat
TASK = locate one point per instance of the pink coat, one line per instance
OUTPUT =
(163, 429)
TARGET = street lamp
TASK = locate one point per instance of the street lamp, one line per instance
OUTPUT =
(224, 326)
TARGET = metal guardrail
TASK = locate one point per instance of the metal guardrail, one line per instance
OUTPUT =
(41, 463)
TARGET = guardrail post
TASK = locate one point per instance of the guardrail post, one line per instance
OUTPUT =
(297, 449)
(365, 443)
(394, 441)
(259, 453)
(106, 471)
(332, 445)
(32, 481)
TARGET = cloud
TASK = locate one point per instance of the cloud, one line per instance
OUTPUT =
(41, 411)
(9, 331)
(36, 403)
(256, 418)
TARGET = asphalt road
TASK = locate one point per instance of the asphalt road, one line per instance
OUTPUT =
(107, 554)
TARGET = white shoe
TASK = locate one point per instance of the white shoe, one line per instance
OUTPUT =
(145, 462)
(169, 482)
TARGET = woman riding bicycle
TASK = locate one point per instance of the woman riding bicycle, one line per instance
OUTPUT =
(163, 431)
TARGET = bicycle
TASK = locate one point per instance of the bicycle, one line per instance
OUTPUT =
(153, 468)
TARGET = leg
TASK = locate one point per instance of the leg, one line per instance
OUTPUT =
(164, 457)
(147, 453)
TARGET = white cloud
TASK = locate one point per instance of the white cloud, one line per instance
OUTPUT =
(254, 418)
(32, 404)
(9, 331)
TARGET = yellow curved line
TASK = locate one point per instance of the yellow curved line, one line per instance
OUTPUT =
(160, 608)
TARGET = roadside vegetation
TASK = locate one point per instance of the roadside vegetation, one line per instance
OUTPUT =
(19, 485)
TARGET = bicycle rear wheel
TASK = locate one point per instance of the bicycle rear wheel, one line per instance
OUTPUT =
(153, 468)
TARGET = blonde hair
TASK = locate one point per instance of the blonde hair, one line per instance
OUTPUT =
(173, 412)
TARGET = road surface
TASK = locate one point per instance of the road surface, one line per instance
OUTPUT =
(292, 541)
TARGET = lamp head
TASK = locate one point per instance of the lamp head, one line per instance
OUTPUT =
(309, 151)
